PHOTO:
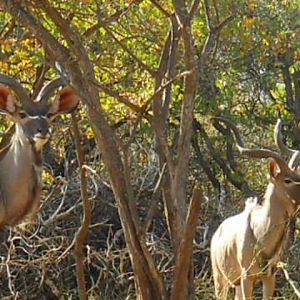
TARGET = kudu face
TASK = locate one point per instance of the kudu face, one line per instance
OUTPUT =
(247, 247)
(287, 181)
(35, 128)
(21, 159)
(33, 119)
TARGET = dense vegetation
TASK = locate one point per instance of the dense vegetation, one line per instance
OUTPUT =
(133, 206)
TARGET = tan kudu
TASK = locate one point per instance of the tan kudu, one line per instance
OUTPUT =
(21, 157)
(246, 247)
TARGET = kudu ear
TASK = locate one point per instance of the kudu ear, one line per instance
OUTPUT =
(7, 101)
(273, 168)
(65, 102)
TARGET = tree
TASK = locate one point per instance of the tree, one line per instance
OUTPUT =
(153, 73)
(73, 59)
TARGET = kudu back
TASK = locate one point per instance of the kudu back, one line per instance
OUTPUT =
(21, 157)
(246, 247)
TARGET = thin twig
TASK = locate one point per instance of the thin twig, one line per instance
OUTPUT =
(154, 200)
(163, 10)
(115, 17)
(82, 232)
(289, 280)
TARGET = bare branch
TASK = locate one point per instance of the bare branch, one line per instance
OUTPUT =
(126, 49)
(223, 23)
(112, 18)
(70, 35)
(117, 96)
(194, 8)
(154, 200)
(183, 260)
(187, 110)
(289, 280)
(159, 6)
(82, 232)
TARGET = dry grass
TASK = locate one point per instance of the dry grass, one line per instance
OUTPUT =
(37, 260)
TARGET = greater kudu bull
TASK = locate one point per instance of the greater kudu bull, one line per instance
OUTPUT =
(246, 247)
(21, 158)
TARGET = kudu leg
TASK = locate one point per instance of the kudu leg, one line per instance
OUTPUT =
(268, 286)
(238, 293)
(221, 292)
(246, 289)
(221, 287)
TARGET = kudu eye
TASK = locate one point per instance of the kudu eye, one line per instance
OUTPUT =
(288, 181)
(22, 114)
(50, 115)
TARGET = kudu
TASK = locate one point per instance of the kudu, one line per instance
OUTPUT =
(246, 247)
(21, 158)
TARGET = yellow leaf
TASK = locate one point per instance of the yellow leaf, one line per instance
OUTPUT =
(297, 54)
(280, 106)
(248, 21)
(265, 42)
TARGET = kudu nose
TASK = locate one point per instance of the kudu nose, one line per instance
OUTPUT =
(45, 132)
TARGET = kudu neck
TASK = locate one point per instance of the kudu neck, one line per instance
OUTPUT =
(278, 201)
(22, 144)
(19, 136)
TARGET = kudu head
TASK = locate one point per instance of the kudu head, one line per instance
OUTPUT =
(284, 176)
(32, 117)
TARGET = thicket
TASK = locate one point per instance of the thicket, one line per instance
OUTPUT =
(150, 74)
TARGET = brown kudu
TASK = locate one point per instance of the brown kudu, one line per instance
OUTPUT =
(246, 247)
(21, 157)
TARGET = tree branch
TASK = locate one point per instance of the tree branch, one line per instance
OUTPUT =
(82, 232)
(112, 18)
(183, 259)
(204, 163)
(187, 109)
(69, 34)
(159, 6)
(126, 49)
(237, 181)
